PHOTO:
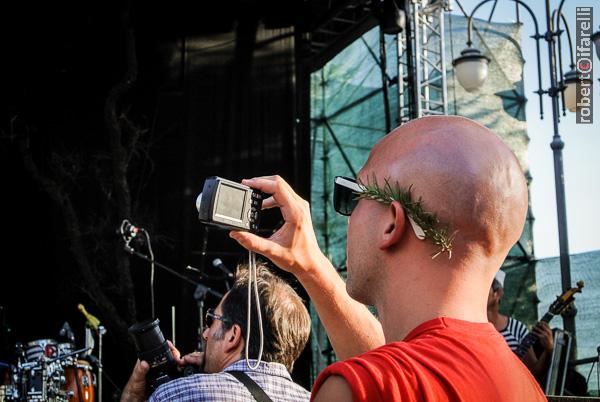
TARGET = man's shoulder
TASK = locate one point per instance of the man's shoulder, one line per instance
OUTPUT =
(448, 355)
(194, 387)
(223, 386)
(275, 380)
(519, 324)
(439, 333)
(516, 328)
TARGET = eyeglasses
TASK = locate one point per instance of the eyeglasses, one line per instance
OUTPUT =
(345, 195)
(345, 199)
(210, 317)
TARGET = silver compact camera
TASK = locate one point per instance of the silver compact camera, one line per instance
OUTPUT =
(229, 205)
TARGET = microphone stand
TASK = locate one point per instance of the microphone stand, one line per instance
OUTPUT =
(89, 345)
(101, 332)
(170, 270)
(200, 295)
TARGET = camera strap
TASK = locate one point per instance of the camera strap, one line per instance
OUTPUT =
(253, 280)
(256, 391)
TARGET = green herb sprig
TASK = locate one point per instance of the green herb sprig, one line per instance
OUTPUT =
(429, 223)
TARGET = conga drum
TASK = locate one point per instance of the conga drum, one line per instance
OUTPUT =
(80, 381)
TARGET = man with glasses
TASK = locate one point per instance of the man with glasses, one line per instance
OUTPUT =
(432, 216)
(225, 373)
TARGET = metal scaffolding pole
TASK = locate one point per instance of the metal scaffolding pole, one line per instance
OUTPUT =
(421, 61)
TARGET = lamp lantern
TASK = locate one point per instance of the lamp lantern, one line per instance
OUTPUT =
(471, 69)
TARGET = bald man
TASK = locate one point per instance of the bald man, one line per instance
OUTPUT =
(433, 341)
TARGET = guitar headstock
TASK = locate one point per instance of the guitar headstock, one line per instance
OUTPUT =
(563, 301)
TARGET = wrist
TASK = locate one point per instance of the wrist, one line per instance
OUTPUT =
(315, 269)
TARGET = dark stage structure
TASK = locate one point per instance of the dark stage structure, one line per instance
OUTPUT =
(120, 110)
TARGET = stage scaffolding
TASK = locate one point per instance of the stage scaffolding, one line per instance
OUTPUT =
(356, 98)
(422, 61)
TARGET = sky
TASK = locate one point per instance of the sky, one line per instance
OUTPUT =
(581, 154)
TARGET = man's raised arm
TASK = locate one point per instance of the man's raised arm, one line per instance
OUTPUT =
(351, 327)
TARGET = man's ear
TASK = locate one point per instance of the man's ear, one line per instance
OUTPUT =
(233, 338)
(395, 226)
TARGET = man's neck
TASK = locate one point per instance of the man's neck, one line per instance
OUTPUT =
(406, 302)
(232, 362)
(228, 360)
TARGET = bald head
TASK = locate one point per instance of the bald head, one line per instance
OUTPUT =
(464, 173)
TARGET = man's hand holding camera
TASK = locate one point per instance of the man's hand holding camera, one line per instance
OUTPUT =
(136, 389)
(194, 359)
(294, 248)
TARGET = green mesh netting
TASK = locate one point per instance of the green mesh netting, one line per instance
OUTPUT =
(348, 118)
(585, 267)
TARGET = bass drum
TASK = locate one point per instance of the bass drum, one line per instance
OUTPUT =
(80, 381)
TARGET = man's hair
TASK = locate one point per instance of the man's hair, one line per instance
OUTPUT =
(286, 322)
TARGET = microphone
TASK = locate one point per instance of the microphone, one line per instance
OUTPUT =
(92, 321)
(127, 229)
(67, 332)
(217, 263)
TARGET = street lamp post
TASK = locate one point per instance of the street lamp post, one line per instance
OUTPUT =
(559, 84)
(557, 146)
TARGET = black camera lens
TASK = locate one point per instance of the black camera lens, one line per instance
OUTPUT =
(152, 347)
(147, 335)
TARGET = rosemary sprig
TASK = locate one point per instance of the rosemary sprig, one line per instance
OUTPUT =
(429, 223)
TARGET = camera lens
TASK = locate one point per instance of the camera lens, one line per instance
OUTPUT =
(152, 347)
(147, 335)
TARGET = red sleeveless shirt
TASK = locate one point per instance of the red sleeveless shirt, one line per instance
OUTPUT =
(443, 359)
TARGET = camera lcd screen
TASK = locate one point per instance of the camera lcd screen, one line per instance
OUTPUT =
(230, 203)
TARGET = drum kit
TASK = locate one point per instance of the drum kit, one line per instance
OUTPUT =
(49, 371)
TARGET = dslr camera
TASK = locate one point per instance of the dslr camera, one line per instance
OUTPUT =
(151, 346)
(229, 205)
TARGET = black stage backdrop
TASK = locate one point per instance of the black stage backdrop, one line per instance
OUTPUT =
(113, 111)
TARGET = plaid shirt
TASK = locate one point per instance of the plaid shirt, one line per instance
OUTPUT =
(273, 378)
